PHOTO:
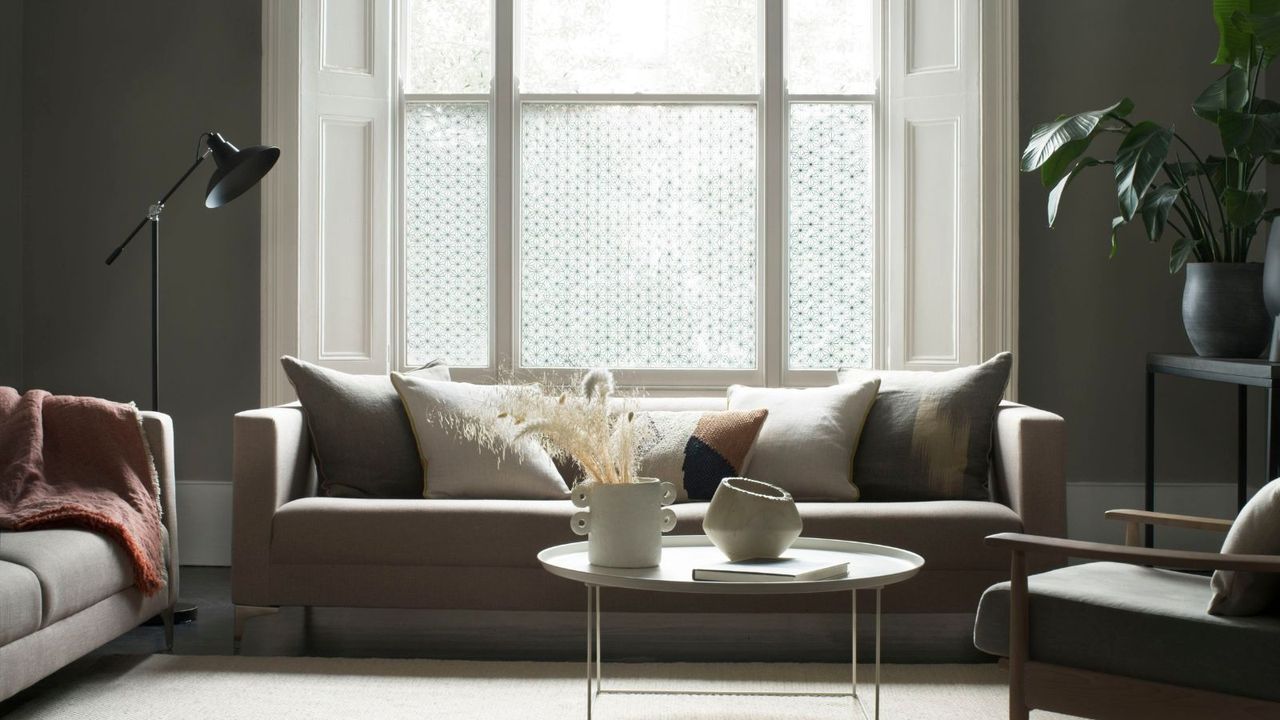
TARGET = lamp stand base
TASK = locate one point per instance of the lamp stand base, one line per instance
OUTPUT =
(183, 613)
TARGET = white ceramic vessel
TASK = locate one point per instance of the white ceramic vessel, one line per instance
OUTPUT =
(751, 519)
(624, 522)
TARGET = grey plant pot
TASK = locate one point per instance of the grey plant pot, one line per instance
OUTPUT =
(1223, 310)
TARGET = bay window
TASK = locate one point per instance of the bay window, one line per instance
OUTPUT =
(691, 192)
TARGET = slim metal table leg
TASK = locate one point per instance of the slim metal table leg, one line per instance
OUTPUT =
(1242, 444)
(599, 647)
(590, 693)
(853, 645)
(878, 653)
(1149, 481)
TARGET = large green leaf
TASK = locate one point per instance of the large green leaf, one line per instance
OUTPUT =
(1061, 162)
(1265, 32)
(1235, 44)
(1244, 207)
(1050, 137)
(1116, 222)
(1055, 195)
(1155, 209)
(1138, 159)
(1183, 249)
(1254, 133)
(1229, 92)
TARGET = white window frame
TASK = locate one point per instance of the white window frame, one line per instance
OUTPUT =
(506, 104)
(339, 70)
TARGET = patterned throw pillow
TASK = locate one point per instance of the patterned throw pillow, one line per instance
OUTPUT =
(928, 436)
(695, 450)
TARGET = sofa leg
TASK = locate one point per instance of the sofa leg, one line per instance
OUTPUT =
(243, 613)
(166, 616)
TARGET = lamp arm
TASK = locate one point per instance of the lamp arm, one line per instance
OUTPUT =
(120, 248)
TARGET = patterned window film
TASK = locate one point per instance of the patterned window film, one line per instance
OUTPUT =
(830, 236)
(638, 245)
(446, 233)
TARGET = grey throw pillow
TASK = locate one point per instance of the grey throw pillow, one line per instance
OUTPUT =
(1255, 532)
(928, 436)
(360, 437)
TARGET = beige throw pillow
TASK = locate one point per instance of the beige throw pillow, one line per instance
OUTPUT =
(808, 442)
(455, 467)
(1255, 532)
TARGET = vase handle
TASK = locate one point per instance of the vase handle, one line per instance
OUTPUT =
(580, 495)
(668, 492)
(580, 523)
(668, 519)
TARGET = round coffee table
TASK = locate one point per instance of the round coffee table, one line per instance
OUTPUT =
(871, 567)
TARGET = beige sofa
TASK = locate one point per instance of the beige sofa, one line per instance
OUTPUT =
(291, 548)
(65, 592)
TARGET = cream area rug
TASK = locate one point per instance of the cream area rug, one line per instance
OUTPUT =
(193, 687)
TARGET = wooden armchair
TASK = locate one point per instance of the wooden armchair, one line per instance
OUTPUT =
(1127, 637)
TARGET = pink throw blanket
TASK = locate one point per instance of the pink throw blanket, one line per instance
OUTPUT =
(81, 462)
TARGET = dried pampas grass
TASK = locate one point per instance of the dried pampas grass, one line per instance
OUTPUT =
(576, 423)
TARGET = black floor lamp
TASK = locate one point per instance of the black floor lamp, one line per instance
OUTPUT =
(238, 170)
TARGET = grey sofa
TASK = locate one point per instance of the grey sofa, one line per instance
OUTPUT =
(292, 548)
(65, 592)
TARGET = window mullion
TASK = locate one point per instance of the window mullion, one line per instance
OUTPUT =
(504, 313)
(773, 180)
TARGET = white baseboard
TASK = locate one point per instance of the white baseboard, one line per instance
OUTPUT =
(1087, 501)
(204, 522)
(204, 515)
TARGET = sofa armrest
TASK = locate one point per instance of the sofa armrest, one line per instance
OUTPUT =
(158, 429)
(271, 466)
(1030, 448)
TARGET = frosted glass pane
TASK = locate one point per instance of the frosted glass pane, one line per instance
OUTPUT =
(638, 236)
(447, 233)
(639, 46)
(450, 46)
(831, 237)
(830, 47)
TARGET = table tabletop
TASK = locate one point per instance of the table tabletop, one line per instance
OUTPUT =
(870, 566)
(1244, 371)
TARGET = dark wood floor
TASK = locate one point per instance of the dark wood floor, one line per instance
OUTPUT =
(343, 632)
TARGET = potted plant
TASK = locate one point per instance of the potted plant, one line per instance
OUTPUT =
(1209, 202)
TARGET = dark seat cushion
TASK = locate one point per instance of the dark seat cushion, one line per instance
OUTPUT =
(510, 533)
(1138, 622)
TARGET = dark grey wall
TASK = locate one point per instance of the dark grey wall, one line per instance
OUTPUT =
(1086, 322)
(11, 192)
(115, 94)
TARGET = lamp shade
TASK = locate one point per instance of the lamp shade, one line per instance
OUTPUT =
(238, 170)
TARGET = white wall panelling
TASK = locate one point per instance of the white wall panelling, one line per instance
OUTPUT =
(933, 223)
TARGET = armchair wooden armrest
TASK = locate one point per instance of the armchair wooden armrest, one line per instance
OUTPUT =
(1135, 519)
(1182, 559)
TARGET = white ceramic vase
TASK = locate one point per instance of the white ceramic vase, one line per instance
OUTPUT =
(624, 522)
(751, 519)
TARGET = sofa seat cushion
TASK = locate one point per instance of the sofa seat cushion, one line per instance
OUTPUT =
(510, 533)
(20, 603)
(1138, 622)
(75, 568)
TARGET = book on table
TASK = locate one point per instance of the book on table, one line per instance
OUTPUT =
(780, 569)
